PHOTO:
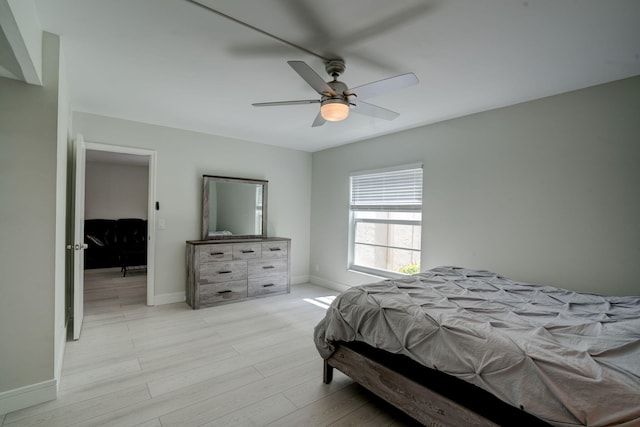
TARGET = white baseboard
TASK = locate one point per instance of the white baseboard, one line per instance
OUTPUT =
(328, 284)
(23, 397)
(169, 298)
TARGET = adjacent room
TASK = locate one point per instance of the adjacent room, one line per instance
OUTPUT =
(223, 213)
(115, 229)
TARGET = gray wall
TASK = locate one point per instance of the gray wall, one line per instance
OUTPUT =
(116, 191)
(33, 147)
(183, 157)
(545, 191)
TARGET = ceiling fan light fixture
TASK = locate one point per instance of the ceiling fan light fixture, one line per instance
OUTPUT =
(334, 110)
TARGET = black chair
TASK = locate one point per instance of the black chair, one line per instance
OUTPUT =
(102, 249)
(132, 242)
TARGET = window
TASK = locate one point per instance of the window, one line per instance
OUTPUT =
(386, 221)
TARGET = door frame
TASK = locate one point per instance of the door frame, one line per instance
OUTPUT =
(78, 245)
(151, 202)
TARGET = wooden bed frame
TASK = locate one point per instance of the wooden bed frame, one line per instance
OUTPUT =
(431, 397)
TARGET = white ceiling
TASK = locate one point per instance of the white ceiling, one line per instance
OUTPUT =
(172, 63)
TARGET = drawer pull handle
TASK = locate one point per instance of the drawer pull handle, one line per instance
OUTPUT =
(274, 249)
(216, 253)
(267, 267)
(225, 292)
(268, 285)
(248, 251)
(225, 272)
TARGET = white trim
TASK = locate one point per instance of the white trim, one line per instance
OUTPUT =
(97, 146)
(23, 397)
(151, 212)
(79, 154)
(388, 169)
(151, 230)
(377, 273)
(314, 280)
(393, 189)
(169, 298)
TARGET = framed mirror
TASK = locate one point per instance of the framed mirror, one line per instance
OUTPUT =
(233, 208)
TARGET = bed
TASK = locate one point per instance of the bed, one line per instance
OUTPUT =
(455, 346)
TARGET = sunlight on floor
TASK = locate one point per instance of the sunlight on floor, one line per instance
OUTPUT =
(323, 302)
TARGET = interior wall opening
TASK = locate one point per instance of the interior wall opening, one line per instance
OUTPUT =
(115, 223)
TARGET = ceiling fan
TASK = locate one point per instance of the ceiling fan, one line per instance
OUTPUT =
(337, 100)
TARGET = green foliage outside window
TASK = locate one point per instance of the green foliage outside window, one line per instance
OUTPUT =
(412, 268)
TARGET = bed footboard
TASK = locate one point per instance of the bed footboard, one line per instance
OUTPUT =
(421, 403)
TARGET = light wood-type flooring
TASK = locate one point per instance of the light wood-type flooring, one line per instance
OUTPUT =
(251, 363)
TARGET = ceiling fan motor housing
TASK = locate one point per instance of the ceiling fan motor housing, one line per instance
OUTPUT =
(339, 88)
(335, 67)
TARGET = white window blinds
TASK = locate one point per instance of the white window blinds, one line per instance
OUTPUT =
(395, 190)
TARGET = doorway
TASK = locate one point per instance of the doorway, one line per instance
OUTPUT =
(119, 188)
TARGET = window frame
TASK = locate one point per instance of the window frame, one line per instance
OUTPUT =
(353, 221)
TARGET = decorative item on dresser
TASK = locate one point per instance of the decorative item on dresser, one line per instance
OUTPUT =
(223, 271)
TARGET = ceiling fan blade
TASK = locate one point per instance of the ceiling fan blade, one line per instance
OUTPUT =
(374, 111)
(312, 78)
(319, 121)
(380, 87)
(399, 18)
(276, 103)
(308, 17)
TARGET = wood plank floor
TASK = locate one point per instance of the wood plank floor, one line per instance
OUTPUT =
(247, 364)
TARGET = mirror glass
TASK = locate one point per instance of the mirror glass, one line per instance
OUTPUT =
(233, 208)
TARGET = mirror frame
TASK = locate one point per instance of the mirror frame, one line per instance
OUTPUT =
(206, 181)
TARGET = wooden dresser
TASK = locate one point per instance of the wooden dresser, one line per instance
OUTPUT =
(223, 271)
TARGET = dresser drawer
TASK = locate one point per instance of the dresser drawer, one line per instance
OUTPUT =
(270, 267)
(268, 285)
(219, 292)
(209, 253)
(275, 250)
(247, 250)
(220, 271)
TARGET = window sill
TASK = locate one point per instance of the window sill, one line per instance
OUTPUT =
(379, 274)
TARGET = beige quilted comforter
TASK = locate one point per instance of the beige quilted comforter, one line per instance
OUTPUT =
(568, 358)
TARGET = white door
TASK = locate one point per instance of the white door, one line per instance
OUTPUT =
(78, 237)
